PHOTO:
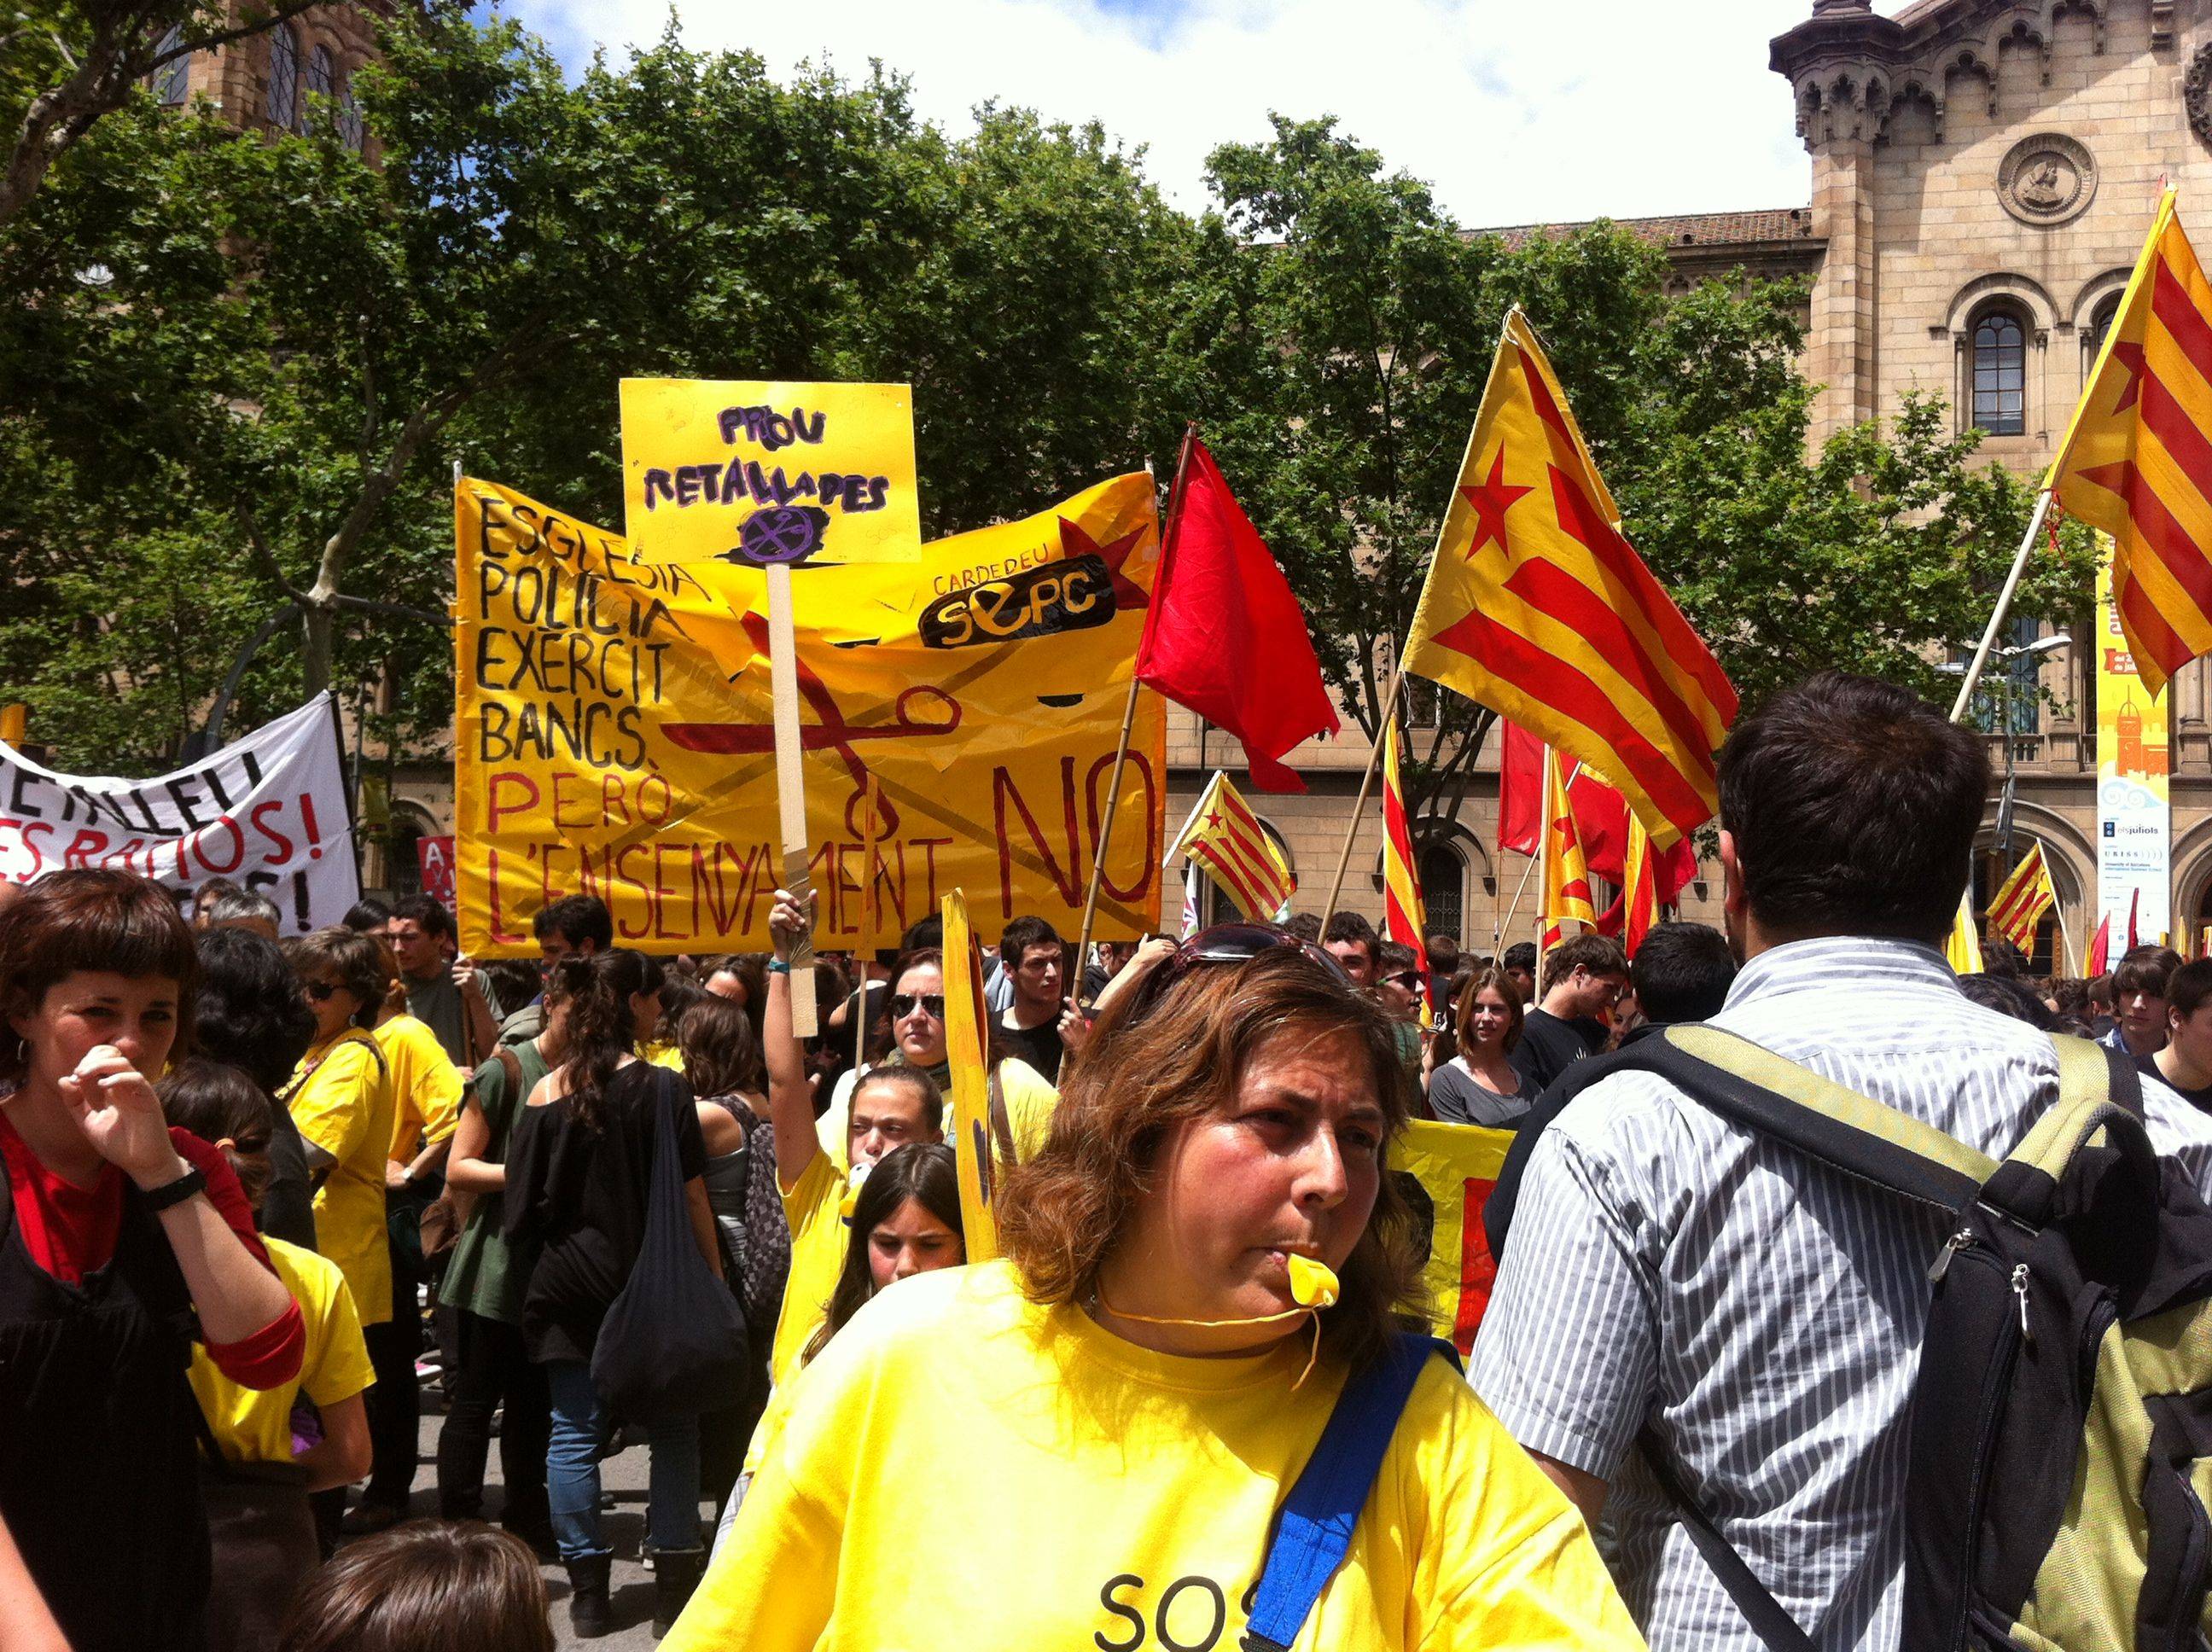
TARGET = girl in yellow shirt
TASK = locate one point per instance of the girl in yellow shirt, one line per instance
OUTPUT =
(1107, 1420)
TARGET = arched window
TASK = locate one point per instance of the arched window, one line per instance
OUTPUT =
(170, 77)
(351, 132)
(318, 78)
(1444, 891)
(282, 106)
(2101, 324)
(2000, 370)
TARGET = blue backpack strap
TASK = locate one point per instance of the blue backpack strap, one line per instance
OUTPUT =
(1315, 1527)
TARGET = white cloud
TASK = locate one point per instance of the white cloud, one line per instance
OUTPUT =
(1516, 112)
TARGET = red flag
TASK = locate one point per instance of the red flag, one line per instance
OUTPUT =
(1520, 789)
(2100, 945)
(2135, 900)
(1224, 636)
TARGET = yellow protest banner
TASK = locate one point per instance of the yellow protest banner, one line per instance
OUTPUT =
(762, 472)
(614, 735)
(1446, 1172)
(974, 1145)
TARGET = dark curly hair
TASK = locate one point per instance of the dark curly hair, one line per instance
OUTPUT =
(252, 1014)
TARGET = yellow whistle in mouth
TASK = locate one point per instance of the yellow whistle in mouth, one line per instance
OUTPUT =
(1313, 1285)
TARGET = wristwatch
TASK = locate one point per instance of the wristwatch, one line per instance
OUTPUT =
(176, 1192)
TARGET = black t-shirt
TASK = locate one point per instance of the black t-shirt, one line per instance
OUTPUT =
(1549, 1046)
(576, 1201)
(2199, 1099)
(1039, 1045)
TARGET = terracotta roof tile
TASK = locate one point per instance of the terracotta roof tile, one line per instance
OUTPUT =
(1691, 229)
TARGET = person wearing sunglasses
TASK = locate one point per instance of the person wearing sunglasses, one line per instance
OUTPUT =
(341, 1097)
(1398, 989)
(1203, 1252)
(890, 1105)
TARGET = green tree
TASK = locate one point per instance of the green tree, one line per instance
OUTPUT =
(1337, 369)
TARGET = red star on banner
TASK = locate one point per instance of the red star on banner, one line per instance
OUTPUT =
(2129, 357)
(1492, 501)
(1127, 593)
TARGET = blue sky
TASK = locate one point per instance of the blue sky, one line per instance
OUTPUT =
(1516, 112)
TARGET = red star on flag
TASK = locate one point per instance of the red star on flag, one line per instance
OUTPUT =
(1492, 500)
(1127, 593)
(2129, 357)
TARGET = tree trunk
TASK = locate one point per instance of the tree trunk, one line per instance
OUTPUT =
(318, 626)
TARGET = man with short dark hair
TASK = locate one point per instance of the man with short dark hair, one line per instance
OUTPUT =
(1034, 959)
(446, 992)
(1398, 986)
(574, 927)
(1520, 966)
(1302, 926)
(2185, 1062)
(2139, 984)
(1352, 941)
(1583, 977)
(1746, 1311)
(1444, 963)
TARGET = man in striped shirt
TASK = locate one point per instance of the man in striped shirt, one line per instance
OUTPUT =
(1754, 1315)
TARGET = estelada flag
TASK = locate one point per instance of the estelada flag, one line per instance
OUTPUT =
(1456, 1166)
(975, 1143)
(1404, 916)
(2019, 905)
(1566, 889)
(1225, 838)
(1537, 607)
(1224, 636)
(2137, 458)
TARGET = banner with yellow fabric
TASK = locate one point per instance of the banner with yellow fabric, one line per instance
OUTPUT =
(976, 1147)
(614, 735)
(1447, 1172)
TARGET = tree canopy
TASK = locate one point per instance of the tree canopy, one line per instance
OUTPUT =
(237, 368)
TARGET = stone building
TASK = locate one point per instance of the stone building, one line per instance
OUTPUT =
(271, 78)
(1983, 173)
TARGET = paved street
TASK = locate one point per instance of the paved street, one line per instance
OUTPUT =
(625, 1475)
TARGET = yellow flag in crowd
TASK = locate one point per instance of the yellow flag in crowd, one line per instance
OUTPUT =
(1567, 874)
(1457, 1165)
(1640, 887)
(2137, 459)
(1404, 916)
(1225, 837)
(1962, 949)
(974, 1146)
(2018, 906)
(1537, 607)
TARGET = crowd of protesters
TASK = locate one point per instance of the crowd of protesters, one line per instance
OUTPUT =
(264, 1191)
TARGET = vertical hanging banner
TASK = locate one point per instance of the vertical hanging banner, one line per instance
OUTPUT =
(2135, 818)
(615, 736)
(966, 1014)
(270, 813)
(769, 474)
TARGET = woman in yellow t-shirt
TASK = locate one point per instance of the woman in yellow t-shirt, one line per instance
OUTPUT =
(341, 1098)
(1107, 1420)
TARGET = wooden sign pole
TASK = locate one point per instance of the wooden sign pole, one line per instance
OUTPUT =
(871, 826)
(790, 787)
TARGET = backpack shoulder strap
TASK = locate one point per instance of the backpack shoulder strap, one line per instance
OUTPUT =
(1315, 1529)
(1856, 1134)
(1776, 1629)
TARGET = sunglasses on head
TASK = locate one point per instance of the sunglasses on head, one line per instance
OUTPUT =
(1223, 943)
(1408, 979)
(930, 1004)
(320, 990)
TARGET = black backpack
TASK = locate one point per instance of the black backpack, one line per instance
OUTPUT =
(2059, 1488)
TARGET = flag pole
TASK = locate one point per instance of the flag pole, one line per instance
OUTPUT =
(1389, 706)
(1499, 930)
(1079, 968)
(2004, 605)
(1544, 853)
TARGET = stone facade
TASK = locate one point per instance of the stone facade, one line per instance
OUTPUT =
(264, 80)
(1984, 170)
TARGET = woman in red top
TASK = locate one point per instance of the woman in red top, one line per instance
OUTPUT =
(122, 1242)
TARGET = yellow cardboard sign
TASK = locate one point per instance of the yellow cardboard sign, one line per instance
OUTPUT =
(974, 1145)
(1447, 1172)
(615, 734)
(759, 473)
